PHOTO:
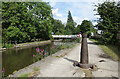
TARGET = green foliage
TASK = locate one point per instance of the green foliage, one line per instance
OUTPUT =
(77, 29)
(94, 31)
(8, 45)
(24, 75)
(53, 51)
(86, 27)
(14, 32)
(58, 28)
(109, 20)
(36, 69)
(68, 40)
(51, 38)
(57, 56)
(78, 39)
(24, 21)
(70, 26)
(63, 46)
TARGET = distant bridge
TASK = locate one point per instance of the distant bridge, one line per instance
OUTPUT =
(65, 36)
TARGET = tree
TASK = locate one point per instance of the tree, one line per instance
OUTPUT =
(12, 14)
(14, 32)
(24, 21)
(77, 29)
(109, 20)
(43, 19)
(70, 26)
(86, 27)
(58, 28)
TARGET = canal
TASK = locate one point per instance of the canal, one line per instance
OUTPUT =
(18, 58)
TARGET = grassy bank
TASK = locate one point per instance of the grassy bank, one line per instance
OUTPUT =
(110, 50)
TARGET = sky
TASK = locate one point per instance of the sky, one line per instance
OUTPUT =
(80, 10)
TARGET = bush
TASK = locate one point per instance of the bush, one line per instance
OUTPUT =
(53, 51)
(77, 40)
(8, 45)
(51, 38)
(107, 38)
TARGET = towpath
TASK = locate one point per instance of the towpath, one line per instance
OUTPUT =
(60, 65)
(63, 66)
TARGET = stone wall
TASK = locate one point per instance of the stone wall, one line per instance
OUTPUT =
(33, 44)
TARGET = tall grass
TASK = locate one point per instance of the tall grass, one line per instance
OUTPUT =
(110, 50)
(24, 75)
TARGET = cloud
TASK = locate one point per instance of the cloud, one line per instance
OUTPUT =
(80, 10)
(80, 20)
(96, 16)
(94, 23)
(52, 4)
(55, 13)
(75, 18)
(85, 19)
(63, 19)
(58, 15)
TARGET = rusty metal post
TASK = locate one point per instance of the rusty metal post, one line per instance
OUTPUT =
(84, 50)
(84, 60)
(84, 53)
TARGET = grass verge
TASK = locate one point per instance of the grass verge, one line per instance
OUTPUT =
(24, 75)
(110, 50)
(36, 69)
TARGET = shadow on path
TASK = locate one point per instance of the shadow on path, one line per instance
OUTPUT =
(70, 60)
(91, 43)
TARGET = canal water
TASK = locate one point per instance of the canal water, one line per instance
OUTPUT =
(15, 59)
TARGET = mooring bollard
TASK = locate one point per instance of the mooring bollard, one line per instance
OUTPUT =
(84, 60)
(84, 53)
(84, 50)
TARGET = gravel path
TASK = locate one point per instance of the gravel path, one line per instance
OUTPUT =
(107, 67)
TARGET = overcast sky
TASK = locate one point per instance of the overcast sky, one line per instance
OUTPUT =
(80, 9)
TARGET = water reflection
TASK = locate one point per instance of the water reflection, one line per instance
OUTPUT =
(18, 58)
(15, 59)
